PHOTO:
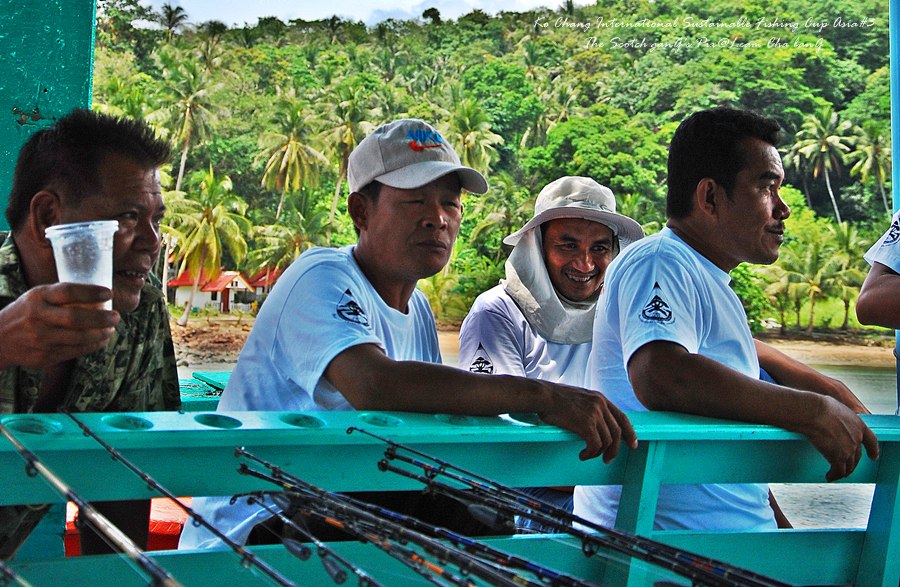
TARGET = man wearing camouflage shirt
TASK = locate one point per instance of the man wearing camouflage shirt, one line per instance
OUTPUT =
(59, 347)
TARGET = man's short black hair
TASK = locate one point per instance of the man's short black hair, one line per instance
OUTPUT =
(371, 190)
(708, 144)
(67, 156)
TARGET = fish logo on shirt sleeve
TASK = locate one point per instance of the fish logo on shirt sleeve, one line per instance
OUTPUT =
(893, 235)
(482, 361)
(657, 309)
(350, 311)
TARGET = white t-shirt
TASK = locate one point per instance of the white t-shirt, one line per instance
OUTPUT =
(321, 306)
(661, 289)
(496, 338)
(887, 250)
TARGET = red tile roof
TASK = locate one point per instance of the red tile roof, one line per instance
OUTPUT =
(259, 278)
(220, 283)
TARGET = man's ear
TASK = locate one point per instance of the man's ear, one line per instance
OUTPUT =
(707, 196)
(43, 212)
(358, 208)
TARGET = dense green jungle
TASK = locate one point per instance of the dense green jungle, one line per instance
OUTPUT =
(263, 117)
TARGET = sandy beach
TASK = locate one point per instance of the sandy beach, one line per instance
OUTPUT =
(811, 352)
(219, 341)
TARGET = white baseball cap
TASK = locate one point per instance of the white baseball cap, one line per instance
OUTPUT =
(407, 154)
(580, 197)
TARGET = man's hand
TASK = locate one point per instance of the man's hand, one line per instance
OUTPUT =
(53, 323)
(591, 416)
(840, 435)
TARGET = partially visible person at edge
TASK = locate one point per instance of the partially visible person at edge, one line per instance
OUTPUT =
(347, 329)
(670, 334)
(879, 299)
(59, 349)
(537, 323)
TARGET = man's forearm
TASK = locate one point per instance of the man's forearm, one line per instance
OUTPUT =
(879, 300)
(414, 386)
(667, 377)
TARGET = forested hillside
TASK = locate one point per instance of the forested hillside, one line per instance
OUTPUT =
(262, 119)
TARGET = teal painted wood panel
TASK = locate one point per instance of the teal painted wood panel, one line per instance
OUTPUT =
(192, 454)
(46, 65)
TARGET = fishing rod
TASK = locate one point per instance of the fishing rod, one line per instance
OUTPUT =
(247, 557)
(512, 501)
(333, 510)
(33, 466)
(353, 516)
(404, 555)
(303, 552)
(7, 575)
(433, 573)
(469, 545)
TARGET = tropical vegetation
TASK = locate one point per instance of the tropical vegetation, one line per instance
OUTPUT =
(263, 117)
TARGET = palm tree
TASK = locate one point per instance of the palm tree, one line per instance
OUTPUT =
(178, 215)
(853, 268)
(812, 266)
(172, 18)
(291, 162)
(349, 119)
(189, 87)
(823, 141)
(471, 136)
(502, 210)
(778, 291)
(559, 98)
(872, 157)
(213, 221)
(302, 227)
(797, 163)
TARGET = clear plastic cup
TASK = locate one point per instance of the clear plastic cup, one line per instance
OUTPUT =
(83, 252)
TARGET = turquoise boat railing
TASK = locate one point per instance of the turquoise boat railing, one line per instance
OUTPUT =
(191, 453)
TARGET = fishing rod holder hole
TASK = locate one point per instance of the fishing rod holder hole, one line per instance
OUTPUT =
(218, 421)
(123, 422)
(381, 420)
(301, 421)
(458, 420)
(30, 425)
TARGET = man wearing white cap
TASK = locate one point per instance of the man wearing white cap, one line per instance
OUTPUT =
(346, 329)
(537, 323)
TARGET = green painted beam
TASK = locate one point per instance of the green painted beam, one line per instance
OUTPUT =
(46, 67)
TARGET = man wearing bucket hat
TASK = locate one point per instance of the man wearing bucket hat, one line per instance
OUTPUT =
(537, 323)
(347, 329)
(670, 334)
(59, 346)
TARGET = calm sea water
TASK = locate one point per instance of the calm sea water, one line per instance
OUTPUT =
(841, 505)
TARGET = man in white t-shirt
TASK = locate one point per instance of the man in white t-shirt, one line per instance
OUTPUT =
(879, 299)
(347, 329)
(537, 322)
(670, 334)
